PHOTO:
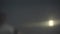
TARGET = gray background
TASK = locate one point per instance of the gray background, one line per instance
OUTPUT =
(21, 12)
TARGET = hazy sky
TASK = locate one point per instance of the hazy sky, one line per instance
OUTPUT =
(30, 11)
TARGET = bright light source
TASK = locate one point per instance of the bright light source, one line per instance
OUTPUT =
(51, 23)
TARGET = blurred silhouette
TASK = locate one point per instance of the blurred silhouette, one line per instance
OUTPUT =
(5, 28)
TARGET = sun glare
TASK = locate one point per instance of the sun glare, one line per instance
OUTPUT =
(51, 23)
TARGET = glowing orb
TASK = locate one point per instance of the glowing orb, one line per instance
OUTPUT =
(51, 23)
